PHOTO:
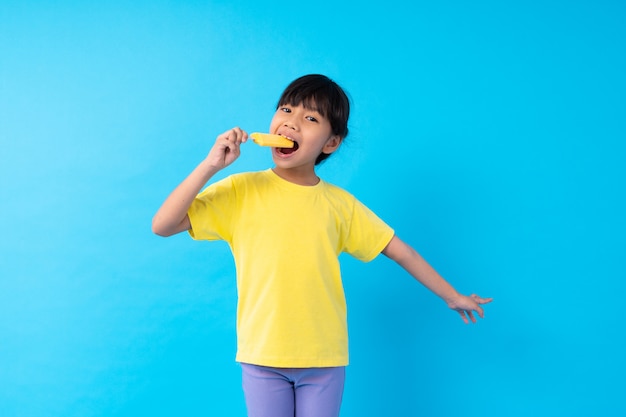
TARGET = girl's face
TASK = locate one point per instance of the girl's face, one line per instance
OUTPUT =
(312, 135)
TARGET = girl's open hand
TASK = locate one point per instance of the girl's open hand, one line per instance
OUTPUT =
(226, 148)
(466, 306)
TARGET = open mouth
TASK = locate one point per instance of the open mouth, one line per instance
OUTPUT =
(288, 151)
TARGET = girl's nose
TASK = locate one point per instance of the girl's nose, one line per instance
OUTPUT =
(291, 125)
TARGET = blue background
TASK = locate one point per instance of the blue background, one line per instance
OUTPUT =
(489, 134)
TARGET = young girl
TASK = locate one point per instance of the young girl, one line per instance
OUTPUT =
(286, 228)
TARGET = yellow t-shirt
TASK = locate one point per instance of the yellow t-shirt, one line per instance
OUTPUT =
(286, 239)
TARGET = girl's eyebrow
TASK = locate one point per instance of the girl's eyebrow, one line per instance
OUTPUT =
(312, 108)
(306, 105)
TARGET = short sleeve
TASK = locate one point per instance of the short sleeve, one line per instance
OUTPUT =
(212, 212)
(367, 235)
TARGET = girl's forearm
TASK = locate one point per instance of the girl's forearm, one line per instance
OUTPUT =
(414, 264)
(426, 274)
(171, 218)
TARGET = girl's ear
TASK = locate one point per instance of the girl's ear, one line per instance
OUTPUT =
(332, 144)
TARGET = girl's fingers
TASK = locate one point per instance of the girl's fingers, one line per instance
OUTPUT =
(239, 135)
(462, 314)
(471, 316)
(480, 300)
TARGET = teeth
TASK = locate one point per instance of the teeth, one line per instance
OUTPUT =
(277, 141)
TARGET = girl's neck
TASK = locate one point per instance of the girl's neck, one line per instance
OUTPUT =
(300, 177)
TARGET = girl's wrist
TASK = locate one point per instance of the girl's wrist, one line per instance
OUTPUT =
(451, 299)
(208, 167)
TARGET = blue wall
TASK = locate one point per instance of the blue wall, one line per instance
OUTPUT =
(490, 134)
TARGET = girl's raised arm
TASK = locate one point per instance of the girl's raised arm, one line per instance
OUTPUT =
(171, 218)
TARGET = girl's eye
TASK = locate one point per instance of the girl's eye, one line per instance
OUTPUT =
(311, 119)
(285, 109)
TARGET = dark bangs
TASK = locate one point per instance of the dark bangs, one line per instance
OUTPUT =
(321, 94)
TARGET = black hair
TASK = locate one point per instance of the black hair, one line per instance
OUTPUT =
(320, 93)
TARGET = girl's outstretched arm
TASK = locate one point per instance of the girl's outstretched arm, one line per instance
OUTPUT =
(171, 218)
(414, 264)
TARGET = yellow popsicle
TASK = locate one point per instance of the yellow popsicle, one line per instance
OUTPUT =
(267, 139)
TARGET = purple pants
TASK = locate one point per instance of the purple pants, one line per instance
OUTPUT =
(289, 392)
